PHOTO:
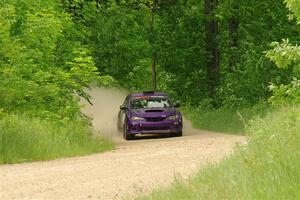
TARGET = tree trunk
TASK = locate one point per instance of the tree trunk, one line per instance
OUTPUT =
(211, 45)
(152, 41)
(154, 79)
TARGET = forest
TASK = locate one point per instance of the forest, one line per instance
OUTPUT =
(233, 64)
(228, 54)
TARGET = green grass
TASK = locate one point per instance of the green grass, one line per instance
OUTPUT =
(25, 139)
(224, 120)
(268, 168)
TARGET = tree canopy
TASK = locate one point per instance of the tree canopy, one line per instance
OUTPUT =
(227, 53)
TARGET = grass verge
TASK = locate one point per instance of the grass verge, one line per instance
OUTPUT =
(224, 120)
(267, 168)
(25, 139)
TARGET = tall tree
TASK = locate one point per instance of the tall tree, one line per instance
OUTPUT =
(210, 7)
(152, 43)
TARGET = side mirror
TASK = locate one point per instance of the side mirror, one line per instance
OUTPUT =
(177, 104)
(123, 107)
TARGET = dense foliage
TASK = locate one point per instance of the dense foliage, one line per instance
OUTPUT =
(205, 50)
(44, 66)
(287, 55)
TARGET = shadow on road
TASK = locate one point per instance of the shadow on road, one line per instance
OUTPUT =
(154, 136)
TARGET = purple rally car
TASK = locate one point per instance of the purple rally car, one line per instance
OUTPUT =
(149, 113)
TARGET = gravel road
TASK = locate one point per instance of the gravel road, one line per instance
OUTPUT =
(135, 167)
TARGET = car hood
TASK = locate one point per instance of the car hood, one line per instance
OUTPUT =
(153, 112)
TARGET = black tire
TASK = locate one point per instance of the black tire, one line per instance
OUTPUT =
(119, 124)
(125, 134)
(178, 134)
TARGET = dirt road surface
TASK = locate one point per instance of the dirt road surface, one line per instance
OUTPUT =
(135, 167)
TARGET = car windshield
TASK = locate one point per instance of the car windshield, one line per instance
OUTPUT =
(150, 102)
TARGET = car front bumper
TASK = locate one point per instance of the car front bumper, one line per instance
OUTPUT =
(144, 127)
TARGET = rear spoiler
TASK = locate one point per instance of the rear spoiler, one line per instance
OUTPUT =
(149, 92)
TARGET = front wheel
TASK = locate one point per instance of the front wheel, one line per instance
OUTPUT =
(125, 133)
(119, 122)
(177, 134)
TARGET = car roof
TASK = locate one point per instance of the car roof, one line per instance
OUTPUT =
(148, 94)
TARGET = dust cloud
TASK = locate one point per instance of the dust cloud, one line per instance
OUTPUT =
(104, 111)
(188, 128)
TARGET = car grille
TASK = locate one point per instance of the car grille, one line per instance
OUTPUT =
(155, 119)
(151, 128)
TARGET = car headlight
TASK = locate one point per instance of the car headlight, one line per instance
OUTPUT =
(173, 117)
(137, 119)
